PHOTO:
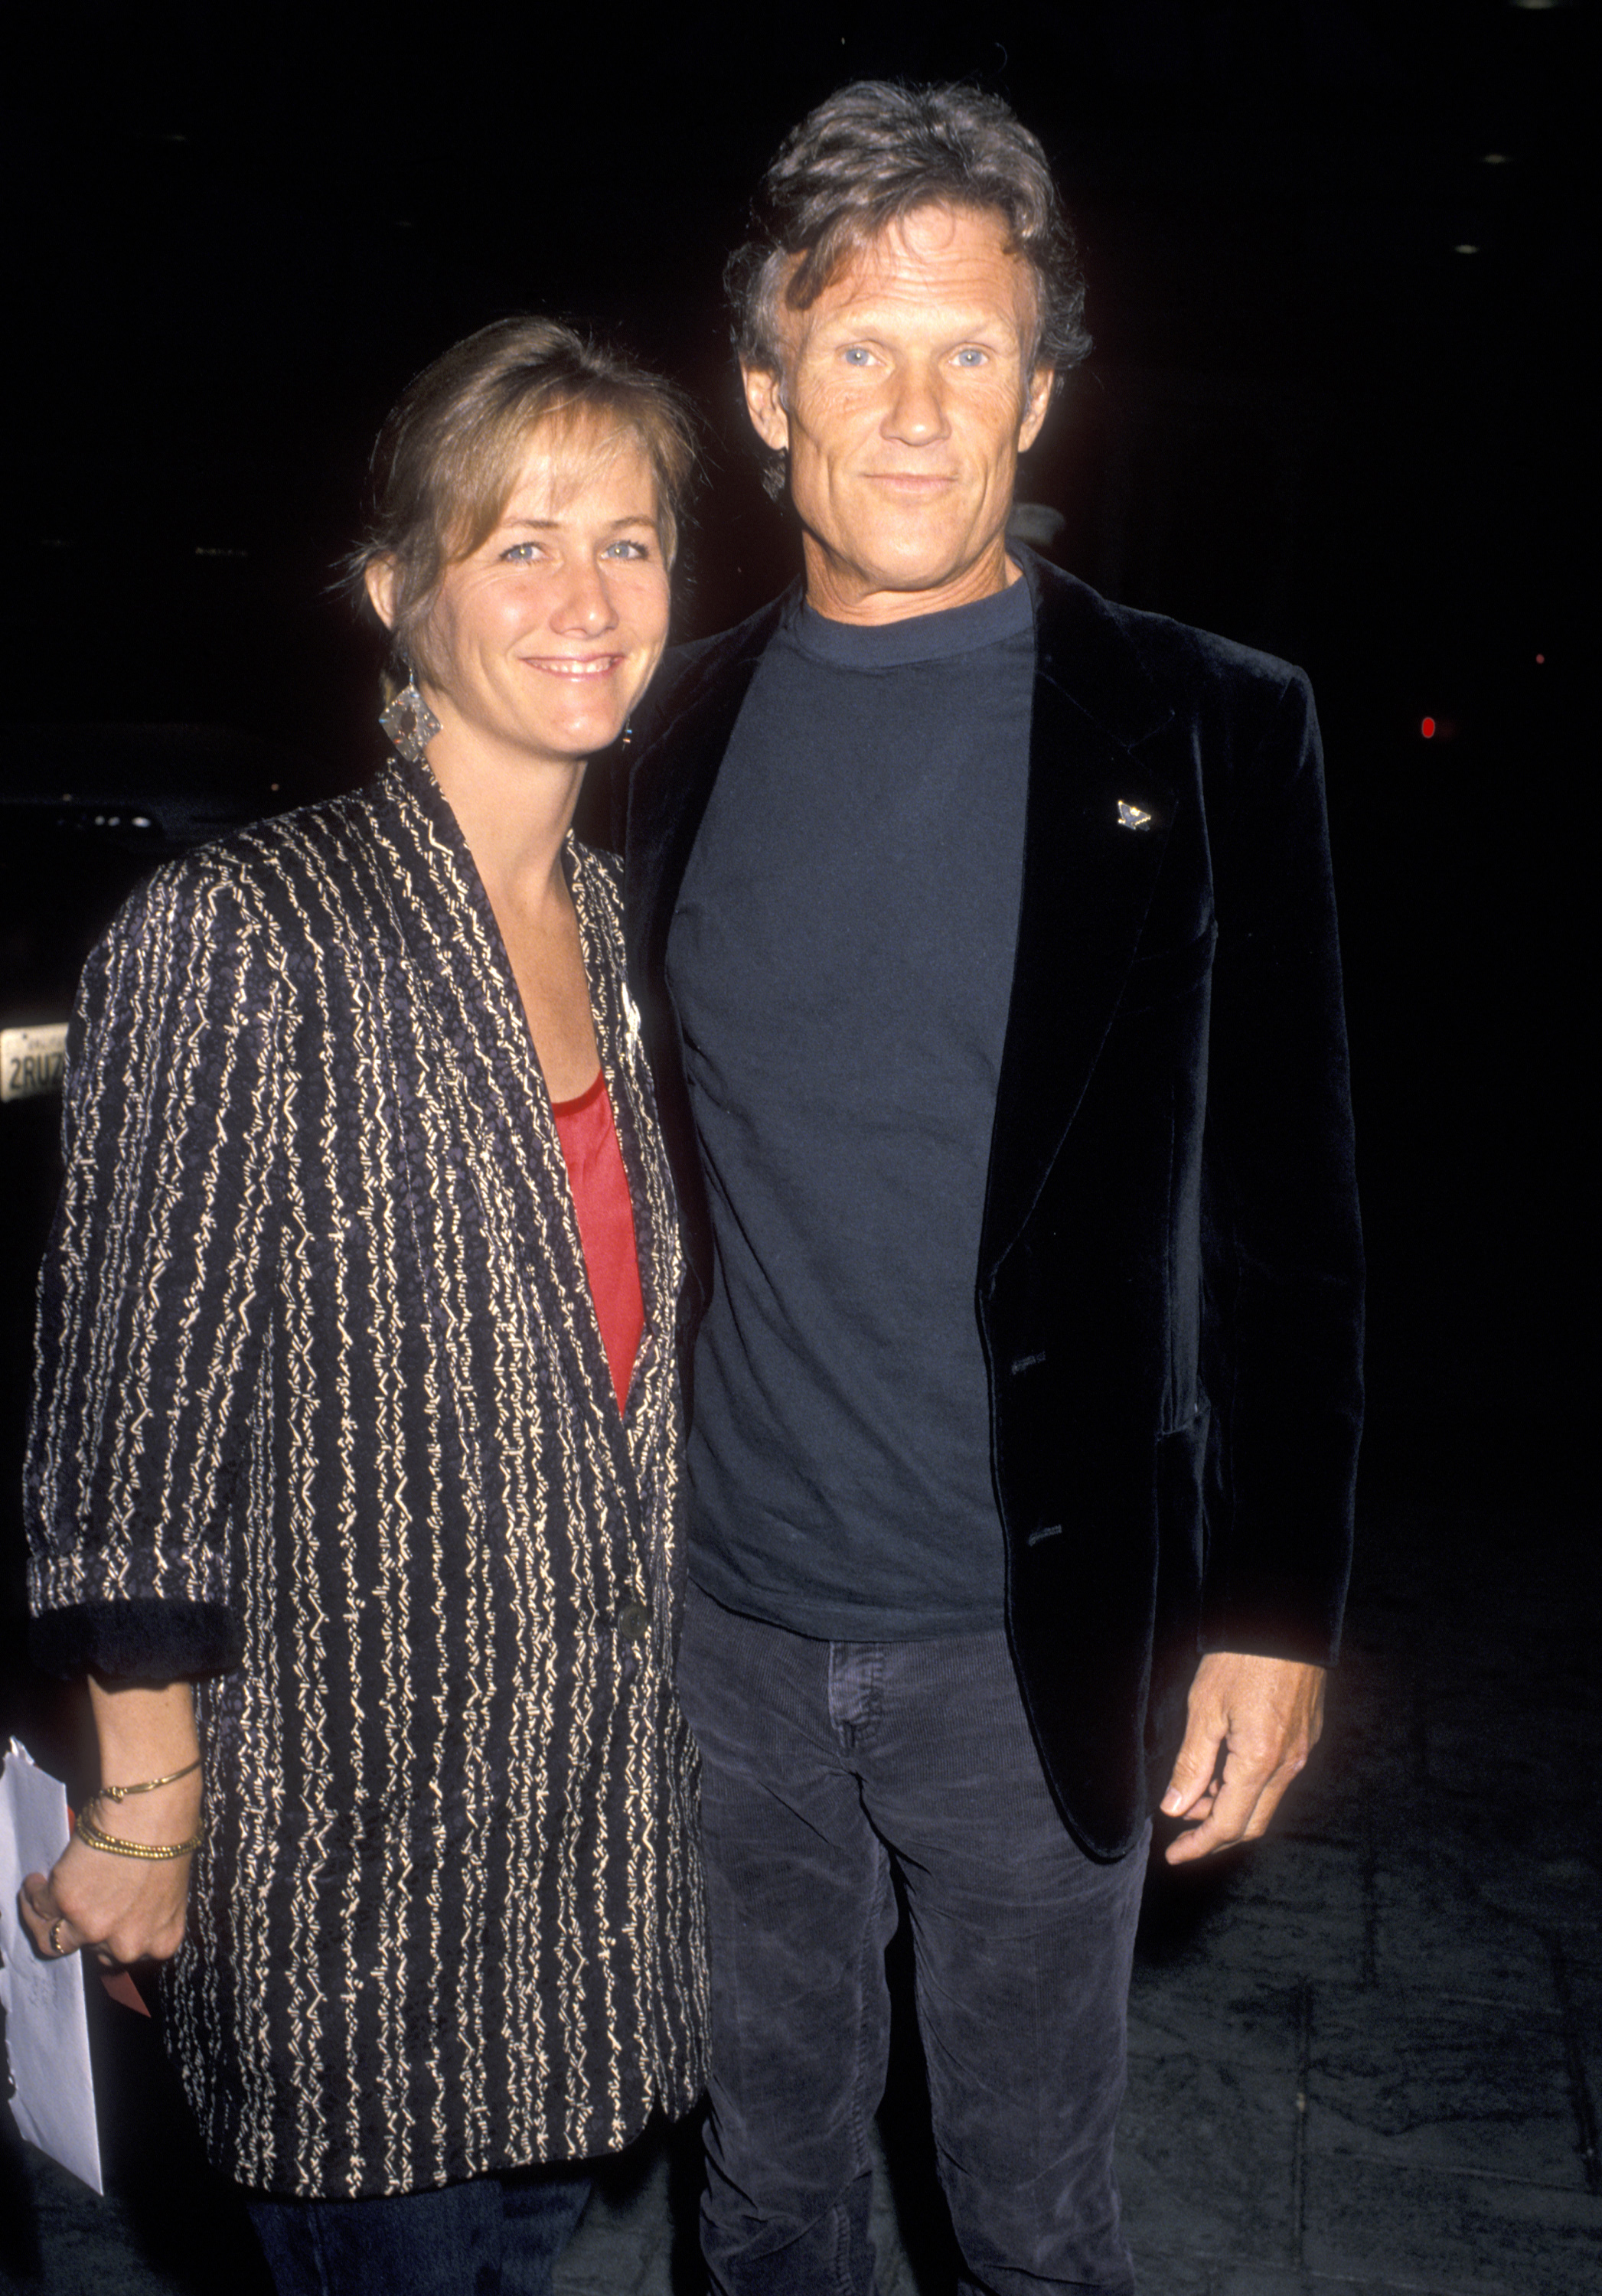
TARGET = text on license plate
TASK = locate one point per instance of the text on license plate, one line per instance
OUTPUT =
(31, 1061)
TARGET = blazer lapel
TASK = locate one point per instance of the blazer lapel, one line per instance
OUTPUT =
(686, 728)
(448, 958)
(1095, 827)
(696, 708)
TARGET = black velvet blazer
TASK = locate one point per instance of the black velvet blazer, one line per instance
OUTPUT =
(1169, 1281)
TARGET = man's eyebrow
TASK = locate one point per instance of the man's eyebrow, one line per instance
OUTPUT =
(863, 318)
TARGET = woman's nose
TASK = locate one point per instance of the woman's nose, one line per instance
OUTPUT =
(586, 602)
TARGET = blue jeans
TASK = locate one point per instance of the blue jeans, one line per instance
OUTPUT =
(822, 1763)
(494, 2237)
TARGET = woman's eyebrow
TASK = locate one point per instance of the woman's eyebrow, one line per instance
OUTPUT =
(549, 525)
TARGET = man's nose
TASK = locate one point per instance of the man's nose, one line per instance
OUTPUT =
(917, 408)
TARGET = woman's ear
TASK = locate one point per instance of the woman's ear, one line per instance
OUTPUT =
(379, 576)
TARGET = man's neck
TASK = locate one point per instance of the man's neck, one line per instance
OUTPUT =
(841, 597)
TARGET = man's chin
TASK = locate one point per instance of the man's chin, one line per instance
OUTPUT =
(957, 576)
(929, 552)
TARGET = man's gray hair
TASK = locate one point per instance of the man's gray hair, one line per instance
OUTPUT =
(874, 152)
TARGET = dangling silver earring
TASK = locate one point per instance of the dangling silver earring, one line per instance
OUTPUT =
(409, 721)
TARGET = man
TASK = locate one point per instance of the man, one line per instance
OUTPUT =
(983, 936)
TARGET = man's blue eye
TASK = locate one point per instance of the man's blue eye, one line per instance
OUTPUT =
(855, 356)
(970, 358)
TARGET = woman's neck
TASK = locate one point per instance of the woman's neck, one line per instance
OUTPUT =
(513, 812)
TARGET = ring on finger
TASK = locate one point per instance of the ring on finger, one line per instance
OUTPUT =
(57, 1948)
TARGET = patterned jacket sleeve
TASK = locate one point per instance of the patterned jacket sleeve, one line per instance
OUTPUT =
(152, 1298)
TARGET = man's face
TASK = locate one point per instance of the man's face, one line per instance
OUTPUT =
(904, 403)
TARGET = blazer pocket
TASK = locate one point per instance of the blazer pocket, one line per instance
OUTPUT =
(1167, 973)
(1181, 1509)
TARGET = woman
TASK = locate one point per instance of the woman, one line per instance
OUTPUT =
(354, 1469)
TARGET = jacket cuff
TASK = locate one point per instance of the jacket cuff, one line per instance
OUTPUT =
(1259, 1633)
(141, 1640)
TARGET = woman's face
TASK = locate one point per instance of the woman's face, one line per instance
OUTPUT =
(543, 639)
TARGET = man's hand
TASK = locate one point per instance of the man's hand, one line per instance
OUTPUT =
(1253, 1724)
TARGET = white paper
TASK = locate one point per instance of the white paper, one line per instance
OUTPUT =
(46, 2030)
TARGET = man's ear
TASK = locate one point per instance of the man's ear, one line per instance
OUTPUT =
(765, 404)
(379, 576)
(1042, 383)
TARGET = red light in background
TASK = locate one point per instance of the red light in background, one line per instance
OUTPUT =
(1426, 726)
(1541, 657)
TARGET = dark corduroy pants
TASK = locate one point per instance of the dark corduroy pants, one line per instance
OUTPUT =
(823, 1763)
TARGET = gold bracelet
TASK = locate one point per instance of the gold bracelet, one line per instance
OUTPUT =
(153, 1850)
(121, 1794)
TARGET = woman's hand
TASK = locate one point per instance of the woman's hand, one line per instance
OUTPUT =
(122, 1908)
(127, 1908)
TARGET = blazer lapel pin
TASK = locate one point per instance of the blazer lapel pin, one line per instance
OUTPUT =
(1132, 817)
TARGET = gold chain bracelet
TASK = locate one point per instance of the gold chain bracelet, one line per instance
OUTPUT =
(121, 1794)
(151, 1851)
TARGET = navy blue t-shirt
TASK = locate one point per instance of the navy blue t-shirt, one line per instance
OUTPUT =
(841, 960)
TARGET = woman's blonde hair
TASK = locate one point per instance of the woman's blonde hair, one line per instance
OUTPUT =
(451, 449)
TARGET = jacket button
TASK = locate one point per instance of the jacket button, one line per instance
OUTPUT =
(634, 1622)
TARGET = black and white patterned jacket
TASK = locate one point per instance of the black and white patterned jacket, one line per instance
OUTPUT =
(323, 1416)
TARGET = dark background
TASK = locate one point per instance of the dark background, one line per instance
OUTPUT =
(1334, 248)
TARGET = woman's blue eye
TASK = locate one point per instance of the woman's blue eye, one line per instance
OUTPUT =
(854, 355)
(971, 358)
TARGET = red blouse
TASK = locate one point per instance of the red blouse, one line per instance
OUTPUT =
(600, 1185)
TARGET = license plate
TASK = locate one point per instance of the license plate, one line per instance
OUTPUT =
(31, 1061)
